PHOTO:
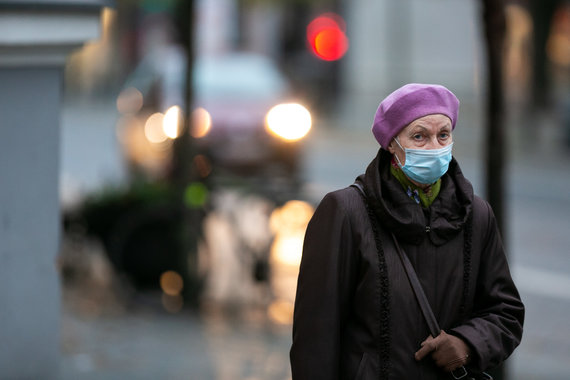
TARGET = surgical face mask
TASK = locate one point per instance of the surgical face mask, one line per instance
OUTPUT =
(425, 166)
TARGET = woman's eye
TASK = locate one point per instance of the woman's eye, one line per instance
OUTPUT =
(443, 135)
(417, 137)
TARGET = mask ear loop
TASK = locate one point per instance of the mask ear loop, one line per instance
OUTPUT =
(403, 150)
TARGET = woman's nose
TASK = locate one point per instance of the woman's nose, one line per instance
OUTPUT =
(433, 143)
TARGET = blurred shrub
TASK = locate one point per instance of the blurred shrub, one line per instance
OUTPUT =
(146, 230)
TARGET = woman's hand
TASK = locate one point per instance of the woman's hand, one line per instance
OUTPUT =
(448, 351)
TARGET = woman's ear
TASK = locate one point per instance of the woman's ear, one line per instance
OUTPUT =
(391, 147)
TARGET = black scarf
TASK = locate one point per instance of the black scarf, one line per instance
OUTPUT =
(396, 212)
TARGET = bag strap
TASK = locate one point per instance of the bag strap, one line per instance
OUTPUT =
(458, 373)
(418, 291)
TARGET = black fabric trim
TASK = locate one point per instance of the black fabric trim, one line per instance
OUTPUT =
(468, 237)
(383, 344)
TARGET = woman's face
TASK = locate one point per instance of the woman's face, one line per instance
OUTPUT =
(428, 132)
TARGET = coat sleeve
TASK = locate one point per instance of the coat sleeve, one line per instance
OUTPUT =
(494, 328)
(323, 293)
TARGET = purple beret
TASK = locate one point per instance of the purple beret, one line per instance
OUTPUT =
(409, 103)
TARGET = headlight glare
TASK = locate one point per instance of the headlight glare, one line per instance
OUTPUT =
(289, 121)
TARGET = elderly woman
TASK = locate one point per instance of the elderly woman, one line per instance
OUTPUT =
(356, 314)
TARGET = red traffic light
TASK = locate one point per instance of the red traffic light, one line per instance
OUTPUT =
(326, 37)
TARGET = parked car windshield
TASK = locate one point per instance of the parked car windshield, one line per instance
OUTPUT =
(241, 76)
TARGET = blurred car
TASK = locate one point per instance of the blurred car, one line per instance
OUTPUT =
(245, 117)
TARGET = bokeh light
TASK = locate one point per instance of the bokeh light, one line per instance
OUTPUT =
(281, 312)
(172, 121)
(289, 223)
(129, 101)
(292, 216)
(326, 37)
(196, 195)
(153, 129)
(171, 283)
(201, 123)
(202, 165)
(558, 45)
(288, 249)
(289, 121)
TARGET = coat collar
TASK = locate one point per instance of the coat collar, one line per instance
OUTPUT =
(398, 213)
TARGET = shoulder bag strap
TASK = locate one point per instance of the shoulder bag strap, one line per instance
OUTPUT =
(433, 326)
(418, 291)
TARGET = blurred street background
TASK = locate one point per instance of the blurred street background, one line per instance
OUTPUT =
(198, 136)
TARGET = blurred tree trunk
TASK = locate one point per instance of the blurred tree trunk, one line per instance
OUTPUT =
(184, 18)
(542, 13)
(494, 26)
(182, 174)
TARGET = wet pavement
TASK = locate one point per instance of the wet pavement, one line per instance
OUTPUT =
(146, 342)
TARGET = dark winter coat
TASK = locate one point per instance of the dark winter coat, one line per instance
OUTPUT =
(356, 316)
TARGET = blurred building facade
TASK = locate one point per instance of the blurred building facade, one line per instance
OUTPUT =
(397, 42)
(35, 38)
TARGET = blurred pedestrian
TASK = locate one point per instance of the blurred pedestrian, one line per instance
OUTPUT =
(356, 314)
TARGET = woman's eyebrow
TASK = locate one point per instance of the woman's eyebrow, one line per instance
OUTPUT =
(415, 127)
